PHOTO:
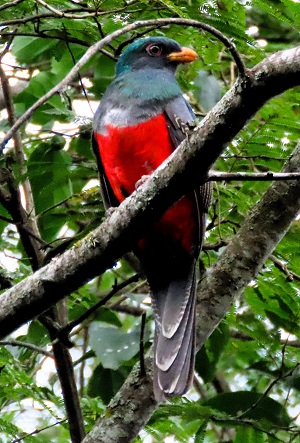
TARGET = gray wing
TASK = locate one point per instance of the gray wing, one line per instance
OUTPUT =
(108, 196)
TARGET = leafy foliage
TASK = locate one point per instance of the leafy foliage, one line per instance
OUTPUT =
(248, 385)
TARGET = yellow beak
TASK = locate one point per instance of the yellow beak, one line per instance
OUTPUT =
(186, 55)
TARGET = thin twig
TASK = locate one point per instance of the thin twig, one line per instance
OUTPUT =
(238, 335)
(142, 356)
(65, 371)
(25, 220)
(68, 13)
(283, 268)
(22, 344)
(28, 222)
(252, 157)
(37, 431)
(79, 75)
(2, 217)
(66, 329)
(252, 176)
(10, 4)
(199, 387)
(126, 309)
(83, 361)
(281, 376)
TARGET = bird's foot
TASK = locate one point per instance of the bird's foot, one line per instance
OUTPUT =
(141, 181)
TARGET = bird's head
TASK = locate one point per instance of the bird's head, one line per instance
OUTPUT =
(155, 53)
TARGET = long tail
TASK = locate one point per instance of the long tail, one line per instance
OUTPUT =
(170, 270)
(174, 309)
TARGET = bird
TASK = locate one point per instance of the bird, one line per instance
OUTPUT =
(142, 118)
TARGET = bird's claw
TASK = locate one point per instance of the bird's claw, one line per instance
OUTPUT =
(141, 181)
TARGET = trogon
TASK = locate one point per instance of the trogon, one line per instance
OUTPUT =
(141, 119)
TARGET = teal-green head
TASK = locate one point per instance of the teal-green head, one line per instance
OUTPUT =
(154, 53)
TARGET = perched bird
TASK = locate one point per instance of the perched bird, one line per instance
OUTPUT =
(141, 119)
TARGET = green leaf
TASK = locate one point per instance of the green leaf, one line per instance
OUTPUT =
(49, 174)
(207, 90)
(113, 346)
(29, 50)
(252, 405)
(105, 383)
(208, 356)
(248, 434)
(200, 434)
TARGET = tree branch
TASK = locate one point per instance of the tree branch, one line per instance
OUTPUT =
(65, 370)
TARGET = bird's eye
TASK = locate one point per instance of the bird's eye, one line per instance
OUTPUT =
(154, 50)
